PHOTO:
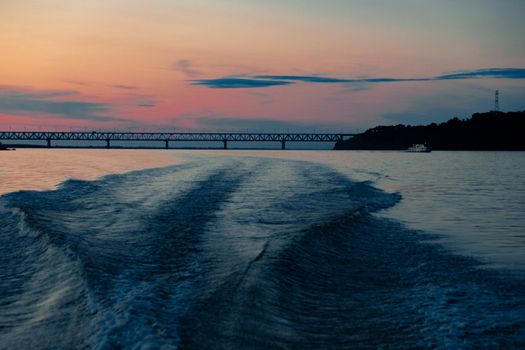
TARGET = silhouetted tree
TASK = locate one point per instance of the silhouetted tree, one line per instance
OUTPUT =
(483, 131)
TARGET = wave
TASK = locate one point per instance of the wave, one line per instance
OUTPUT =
(237, 253)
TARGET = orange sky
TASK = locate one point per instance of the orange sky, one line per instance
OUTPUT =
(107, 64)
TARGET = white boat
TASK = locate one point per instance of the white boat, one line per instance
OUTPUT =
(419, 147)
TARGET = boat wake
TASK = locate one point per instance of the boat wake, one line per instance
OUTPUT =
(237, 253)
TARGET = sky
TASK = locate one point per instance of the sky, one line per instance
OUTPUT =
(246, 65)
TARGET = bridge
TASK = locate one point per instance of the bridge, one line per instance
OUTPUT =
(167, 137)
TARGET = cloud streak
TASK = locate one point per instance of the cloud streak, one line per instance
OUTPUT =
(186, 67)
(124, 87)
(146, 102)
(239, 83)
(494, 73)
(259, 81)
(19, 101)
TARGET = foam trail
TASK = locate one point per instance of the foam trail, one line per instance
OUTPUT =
(237, 253)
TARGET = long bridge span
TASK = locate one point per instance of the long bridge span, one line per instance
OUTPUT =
(167, 137)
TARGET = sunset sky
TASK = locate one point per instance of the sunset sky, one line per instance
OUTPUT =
(342, 65)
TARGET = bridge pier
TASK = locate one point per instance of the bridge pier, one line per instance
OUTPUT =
(283, 145)
(225, 142)
(107, 143)
(48, 143)
(167, 144)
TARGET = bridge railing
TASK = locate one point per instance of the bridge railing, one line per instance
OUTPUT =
(224, 137)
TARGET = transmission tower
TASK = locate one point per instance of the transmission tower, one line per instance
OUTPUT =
(496, 101)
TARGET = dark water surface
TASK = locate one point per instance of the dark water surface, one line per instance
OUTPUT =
(241, 252)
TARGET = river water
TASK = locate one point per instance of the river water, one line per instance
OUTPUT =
(261, 249)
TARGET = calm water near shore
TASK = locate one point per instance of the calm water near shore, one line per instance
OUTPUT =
(258, 249)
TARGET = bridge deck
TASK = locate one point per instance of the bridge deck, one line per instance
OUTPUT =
(49, 136)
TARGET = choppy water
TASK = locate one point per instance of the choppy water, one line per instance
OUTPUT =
(240, 252)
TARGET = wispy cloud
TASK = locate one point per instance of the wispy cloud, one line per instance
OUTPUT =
(21, 101)
(124, 87)
(258, 81)
(146, 102)
(77, 82)
(187, 68)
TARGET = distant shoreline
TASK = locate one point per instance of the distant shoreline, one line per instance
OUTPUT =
(491, 131)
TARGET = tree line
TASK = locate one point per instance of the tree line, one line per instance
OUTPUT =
(482, 131)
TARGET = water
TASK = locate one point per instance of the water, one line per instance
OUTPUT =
(474, 201)
(262, 250)
(44, 169)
